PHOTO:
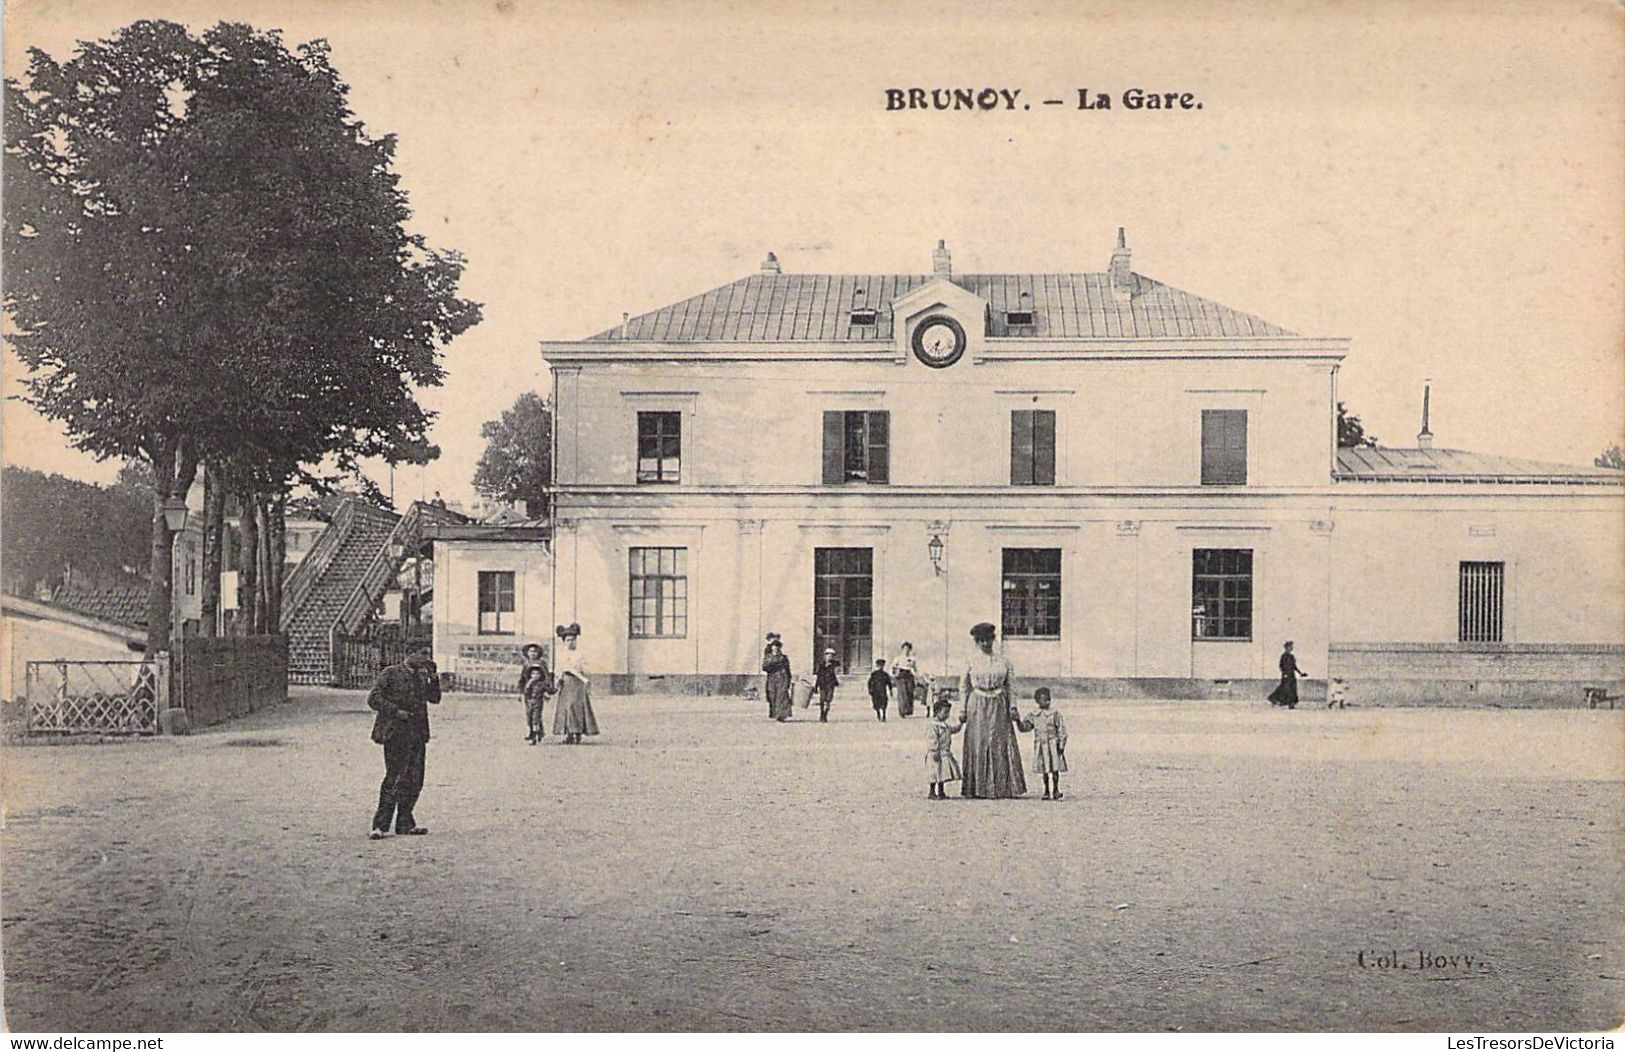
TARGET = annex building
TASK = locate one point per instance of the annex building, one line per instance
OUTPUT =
(1141, 487)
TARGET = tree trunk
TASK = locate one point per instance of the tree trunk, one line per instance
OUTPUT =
(214, 512)
(262, 605)
(248, 563)
(276, 546)
(174, 465)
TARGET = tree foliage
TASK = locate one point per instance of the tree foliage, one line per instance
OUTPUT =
(517, 464)
(207, 258)
(1612, 457)
(1350, 432)
(60, 530)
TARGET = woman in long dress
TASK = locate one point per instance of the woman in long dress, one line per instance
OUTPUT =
(1286, 692)
(777, 667)
(992, 767)
(902, 673)
(572, 713)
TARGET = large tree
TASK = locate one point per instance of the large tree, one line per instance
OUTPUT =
(517, 464)
(207, 260)
(60, 531)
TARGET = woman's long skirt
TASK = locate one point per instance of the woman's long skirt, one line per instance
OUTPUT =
(572, 713)
(992, 767)
(1287, 693)
(905, 692)
(778, 695)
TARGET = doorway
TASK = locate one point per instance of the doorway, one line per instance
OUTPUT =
(843, 606)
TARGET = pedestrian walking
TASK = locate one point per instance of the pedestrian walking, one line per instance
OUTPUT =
(880, 687)
(573, 715)
(535, 684)
(1286, 693)
(826, 680)
(940, 765)
(401, 697)
(905, 673)
(1049, 743)
(777, 667)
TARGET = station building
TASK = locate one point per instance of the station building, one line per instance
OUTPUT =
(1143, 489)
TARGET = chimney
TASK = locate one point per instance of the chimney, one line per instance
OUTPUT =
(941, 263)
(1424, 437)
(1122, 278)
(770, 265)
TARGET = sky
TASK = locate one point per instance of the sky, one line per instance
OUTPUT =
(1442, 183)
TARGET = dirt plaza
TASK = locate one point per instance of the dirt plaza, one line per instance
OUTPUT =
(1218, 865)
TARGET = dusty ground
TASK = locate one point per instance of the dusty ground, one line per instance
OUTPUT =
(1214, 866)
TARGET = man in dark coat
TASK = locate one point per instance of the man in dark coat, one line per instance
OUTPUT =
(826, 680)
(401, 696)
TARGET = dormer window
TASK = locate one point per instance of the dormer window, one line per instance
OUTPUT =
(1022, 312)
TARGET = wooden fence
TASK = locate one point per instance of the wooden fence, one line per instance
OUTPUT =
(220, 678)
(359, 657)
(92, 697)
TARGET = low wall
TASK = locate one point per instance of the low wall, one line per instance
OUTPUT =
(489, 668)
(1510, 675)
(220, 678)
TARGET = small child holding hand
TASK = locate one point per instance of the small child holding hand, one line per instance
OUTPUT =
(940, 765)
(1049, 743)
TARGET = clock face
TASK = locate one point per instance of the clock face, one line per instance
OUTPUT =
(938, 342)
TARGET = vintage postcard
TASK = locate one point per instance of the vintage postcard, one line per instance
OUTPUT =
(927, 517)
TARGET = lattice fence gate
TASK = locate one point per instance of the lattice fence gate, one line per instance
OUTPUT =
(92, 697)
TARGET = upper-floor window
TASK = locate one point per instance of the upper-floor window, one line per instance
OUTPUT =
(658, 607)
(1032, 592)
(1032, 447)
(1224, 447)
(496, 603)
(1222, 593)
(1480, 596)
(857, 446)
(660, 446)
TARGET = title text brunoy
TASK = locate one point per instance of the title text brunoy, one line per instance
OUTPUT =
(975, 99)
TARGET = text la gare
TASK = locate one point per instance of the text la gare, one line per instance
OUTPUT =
(1139, 99)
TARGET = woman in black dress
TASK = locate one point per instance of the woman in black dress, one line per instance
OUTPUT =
(1286, 693)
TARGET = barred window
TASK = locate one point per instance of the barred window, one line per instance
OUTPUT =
(660, 446)
(659, 593)
(1222, 593)
(496, 603)
(1032, 592)
(1481, 593)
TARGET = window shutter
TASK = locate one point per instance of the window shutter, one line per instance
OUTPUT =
(1044, 447)
(834, 447)
(880, 446)
(1236, 446)
(1021, 447)
(1224, 446)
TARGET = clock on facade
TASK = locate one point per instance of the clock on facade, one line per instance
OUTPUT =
(939, 341)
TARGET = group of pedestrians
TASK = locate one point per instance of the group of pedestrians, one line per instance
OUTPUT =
(402, 694)
(990, 766)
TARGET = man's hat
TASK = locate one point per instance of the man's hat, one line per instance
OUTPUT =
(983, 630)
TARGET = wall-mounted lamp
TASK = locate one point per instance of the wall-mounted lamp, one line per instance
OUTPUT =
(397, 551)
(935, 549)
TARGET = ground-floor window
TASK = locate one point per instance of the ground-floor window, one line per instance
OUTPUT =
(1032, 592)
(1480, 596)
(496, 603)
(1222, 593)
(659, 593)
